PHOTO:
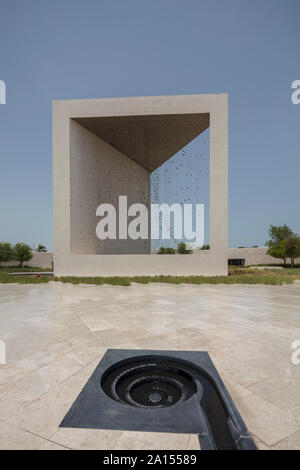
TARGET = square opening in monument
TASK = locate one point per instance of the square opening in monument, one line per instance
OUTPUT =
(126, 156)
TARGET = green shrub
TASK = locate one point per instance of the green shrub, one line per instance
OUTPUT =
(182, 249)
(166, 251)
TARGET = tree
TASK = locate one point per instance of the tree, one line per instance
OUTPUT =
(21, 253)
(278, 235)
(5, 252)
(41, 249)
(280, 232)
(292, 248)
(277, 250)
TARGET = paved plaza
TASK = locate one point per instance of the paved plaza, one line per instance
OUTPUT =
(56, 334)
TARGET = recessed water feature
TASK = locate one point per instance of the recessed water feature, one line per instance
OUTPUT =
(161, 391)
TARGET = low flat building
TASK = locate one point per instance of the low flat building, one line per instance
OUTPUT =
(252, 256)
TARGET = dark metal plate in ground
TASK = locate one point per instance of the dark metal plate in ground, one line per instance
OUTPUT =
(160, 391)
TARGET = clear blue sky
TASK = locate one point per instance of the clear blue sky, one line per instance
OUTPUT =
(63, 49)
(184, 179)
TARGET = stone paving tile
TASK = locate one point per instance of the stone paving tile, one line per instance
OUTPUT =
(292, 442)
(8, 376)
(44, 415)
(281, 393)
(79, 379)
(268, 422)
(34, 385)
(87, 439)
(13, 438)
(240, 371)
(131, 440)
(236, 390)
(260, 445)
(35, 361)
(52, 446)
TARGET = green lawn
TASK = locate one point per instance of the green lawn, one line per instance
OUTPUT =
(7, 278)
(24, 269)
(236, 276)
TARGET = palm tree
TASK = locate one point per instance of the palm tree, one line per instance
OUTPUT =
(41, 249)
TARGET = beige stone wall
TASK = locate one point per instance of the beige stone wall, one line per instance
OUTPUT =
(208, 264)
(41, 260)
(99, 174)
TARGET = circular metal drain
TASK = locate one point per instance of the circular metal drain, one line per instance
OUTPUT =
(149, 382)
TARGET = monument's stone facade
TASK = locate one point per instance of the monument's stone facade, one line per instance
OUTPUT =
(104, 148)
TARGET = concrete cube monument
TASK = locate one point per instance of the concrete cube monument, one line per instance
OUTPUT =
(104, 148)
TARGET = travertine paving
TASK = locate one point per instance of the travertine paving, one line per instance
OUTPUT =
(56, 334)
